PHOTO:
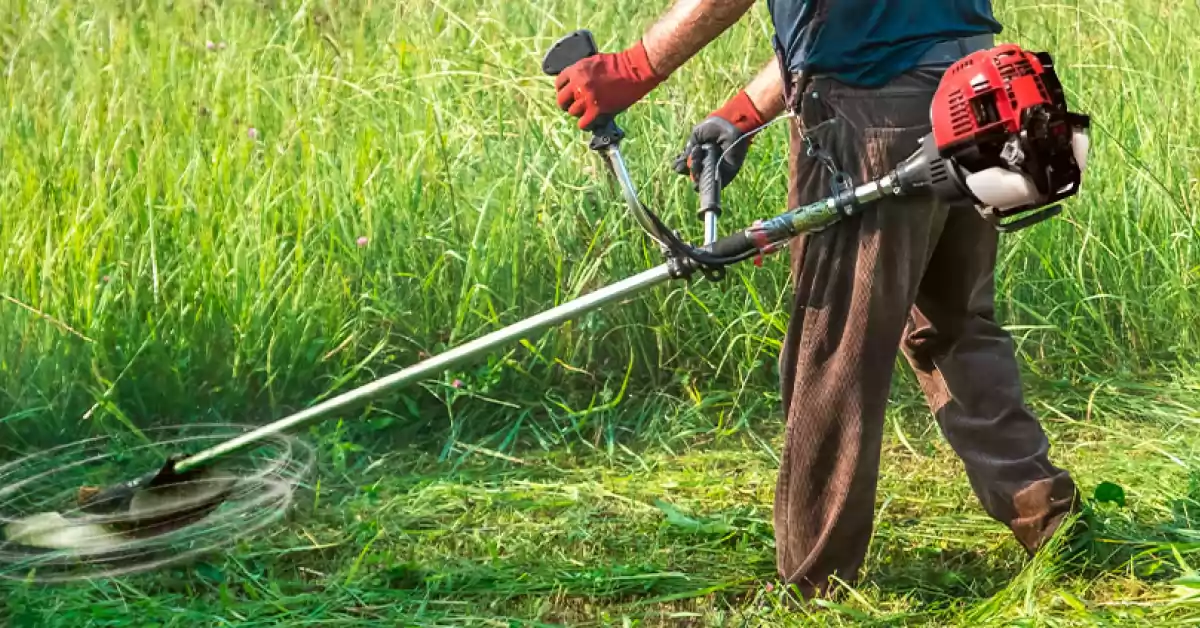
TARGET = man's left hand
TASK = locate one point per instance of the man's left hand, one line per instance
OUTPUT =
(724, 129)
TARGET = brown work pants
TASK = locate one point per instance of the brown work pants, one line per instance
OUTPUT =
(911, 275)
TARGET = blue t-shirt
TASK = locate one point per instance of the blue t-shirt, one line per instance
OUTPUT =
(868, 42)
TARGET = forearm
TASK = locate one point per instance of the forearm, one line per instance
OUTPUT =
(687, 28)
(766, 90)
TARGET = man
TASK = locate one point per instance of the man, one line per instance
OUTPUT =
(910, 275)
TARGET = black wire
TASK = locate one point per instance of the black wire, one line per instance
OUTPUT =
(683, 249)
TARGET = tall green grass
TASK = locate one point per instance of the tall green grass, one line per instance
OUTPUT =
(163, 264)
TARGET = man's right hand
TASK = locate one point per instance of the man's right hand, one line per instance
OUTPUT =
(606, 84)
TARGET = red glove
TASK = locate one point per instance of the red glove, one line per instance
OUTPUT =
(740, 110)
(606, 84)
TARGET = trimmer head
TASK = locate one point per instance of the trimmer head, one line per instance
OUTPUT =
(157, 502)
(59, 523)
(148, 506)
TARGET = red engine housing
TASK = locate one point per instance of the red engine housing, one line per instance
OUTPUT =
(1005, 107)
(985, 93)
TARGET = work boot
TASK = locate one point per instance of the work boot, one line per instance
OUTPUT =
(1041, 514)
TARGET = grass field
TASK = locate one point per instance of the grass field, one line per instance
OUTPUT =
(226, 211)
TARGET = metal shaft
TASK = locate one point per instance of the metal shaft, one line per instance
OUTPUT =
(710, 227)
(613, 154)
(538, 322)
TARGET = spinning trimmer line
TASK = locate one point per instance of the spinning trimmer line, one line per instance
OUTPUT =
(1002, 140)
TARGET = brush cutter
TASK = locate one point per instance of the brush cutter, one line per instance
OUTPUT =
(1002, 139)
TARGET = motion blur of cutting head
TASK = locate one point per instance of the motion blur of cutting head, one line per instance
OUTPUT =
(59, 526)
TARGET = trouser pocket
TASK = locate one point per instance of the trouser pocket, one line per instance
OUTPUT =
(823, 141)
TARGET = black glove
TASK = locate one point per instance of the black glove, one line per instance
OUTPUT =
(724, 136)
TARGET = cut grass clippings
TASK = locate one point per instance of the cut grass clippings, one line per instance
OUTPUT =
(655, 536)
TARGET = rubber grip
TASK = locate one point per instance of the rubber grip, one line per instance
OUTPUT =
(710, 181)
(733, 244)
(569, 50)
